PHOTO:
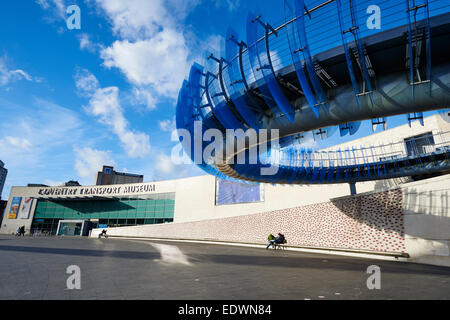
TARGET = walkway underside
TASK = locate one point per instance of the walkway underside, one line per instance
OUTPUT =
(340, 92)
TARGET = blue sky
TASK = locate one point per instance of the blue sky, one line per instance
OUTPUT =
(73, 100)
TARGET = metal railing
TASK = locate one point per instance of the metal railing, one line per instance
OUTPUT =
(323, 28)
(411, 148)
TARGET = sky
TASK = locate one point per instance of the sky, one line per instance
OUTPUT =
(74, 100)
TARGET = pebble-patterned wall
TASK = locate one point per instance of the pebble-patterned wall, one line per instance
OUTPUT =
(371, 222)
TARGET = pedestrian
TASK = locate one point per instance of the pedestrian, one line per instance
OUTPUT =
(103, 234)
(271, 238)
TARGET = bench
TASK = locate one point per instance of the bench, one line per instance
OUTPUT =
(280, 246)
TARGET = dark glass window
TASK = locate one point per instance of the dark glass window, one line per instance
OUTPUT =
(421, 144)
(131, 222)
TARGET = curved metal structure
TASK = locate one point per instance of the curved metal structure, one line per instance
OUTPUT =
(328, 67)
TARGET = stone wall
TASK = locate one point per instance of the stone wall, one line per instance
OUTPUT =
(371, 222)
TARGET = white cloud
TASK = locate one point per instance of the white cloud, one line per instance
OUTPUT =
(34, 140)
(143, 97)
(30, 132)
(7, 76)
(105, 104)
(151, 50)
(86, 43)
(58, 7)
(86, 82)
(164, 164)
(90, 161)
(165, 167)
(167, 125)
(143, 19)
(159, 62)
(16, 142)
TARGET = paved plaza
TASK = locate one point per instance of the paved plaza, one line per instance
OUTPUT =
(35, 268)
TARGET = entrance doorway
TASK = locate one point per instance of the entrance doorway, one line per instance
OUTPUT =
(74, 228)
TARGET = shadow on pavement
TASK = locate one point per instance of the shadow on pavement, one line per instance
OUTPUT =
(84, 252)
(298, 262)
(342, 263)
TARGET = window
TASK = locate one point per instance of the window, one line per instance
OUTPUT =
(107, 171)
(131, 222)
(421, 144)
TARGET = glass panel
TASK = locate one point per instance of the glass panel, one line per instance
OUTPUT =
(141, 215)
(168, 214)
(123, 214)
(131, 222)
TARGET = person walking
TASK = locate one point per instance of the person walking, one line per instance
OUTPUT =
(271, 239)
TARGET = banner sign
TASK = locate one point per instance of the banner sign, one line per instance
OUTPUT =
(97, 190)
(230, 192)
(14, 210)
(25, 209)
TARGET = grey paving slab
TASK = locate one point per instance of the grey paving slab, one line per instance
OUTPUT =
(35, 268)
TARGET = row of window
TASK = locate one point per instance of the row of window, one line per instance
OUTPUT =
(50, 226)
(105, 205)
(104, 215)
(86, 210)
(112, 223)
(91, 210)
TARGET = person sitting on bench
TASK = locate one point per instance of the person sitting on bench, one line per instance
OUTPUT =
(278, 240)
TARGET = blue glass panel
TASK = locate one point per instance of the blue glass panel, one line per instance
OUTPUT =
(301, 29)
(252, 37)
(236, 85)
(214, 110)
(217, 98)
(355, 21)
(345, 32)
(296, 47)
(264, 56)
